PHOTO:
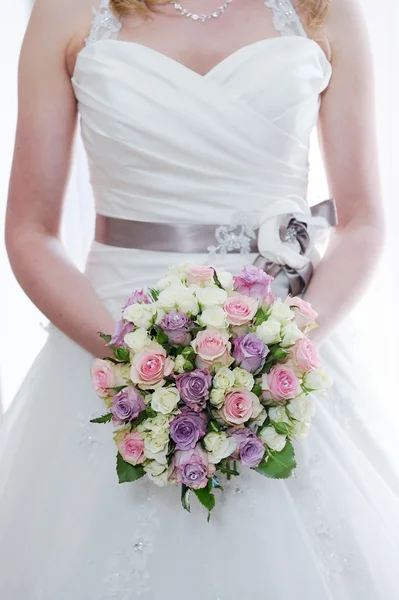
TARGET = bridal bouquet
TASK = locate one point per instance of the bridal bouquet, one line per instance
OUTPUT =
(210, 373)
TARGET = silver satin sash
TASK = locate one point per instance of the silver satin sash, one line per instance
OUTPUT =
(198, 238)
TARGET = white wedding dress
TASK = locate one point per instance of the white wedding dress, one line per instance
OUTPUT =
(168, 145)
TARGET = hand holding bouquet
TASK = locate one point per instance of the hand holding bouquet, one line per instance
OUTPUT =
(210, 373)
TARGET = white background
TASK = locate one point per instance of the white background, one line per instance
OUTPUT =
(21, 325)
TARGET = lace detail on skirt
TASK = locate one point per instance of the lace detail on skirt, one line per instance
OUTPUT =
(286, 19)
(105, 25)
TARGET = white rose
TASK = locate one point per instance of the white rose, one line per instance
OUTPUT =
(210, 296)
(219, 446)
(178, 297)
(274, 440)
(157, 425)
(137, 340)
(225, 278)
(156, 448)
(301, 430)
(243, 379)
(269, 331)
(260, 419)
(165, 400)
(214, 317)
(180, 361)
(161, 480)
(281, 311)
(224, 379)
(154, 468)
(176, 276)
(290, 333)
(142, 315)
(278, 414)
(217, 397)
(318, 381)
(302, 408)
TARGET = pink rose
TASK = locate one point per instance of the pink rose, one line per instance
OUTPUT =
(102, 376)
(240, 406)
(305, 316)
(240, 309)
(192, 468)
(199, 274)
(130, 445)
(212, 346)
(150, 366)
(305, 355)
(280, 383)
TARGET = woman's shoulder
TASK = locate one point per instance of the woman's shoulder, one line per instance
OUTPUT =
(63, 25)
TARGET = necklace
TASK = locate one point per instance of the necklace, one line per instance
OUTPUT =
(200, 17)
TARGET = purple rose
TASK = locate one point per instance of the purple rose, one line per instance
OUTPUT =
(138, 296)
(194, 388)
(250, 352)
(176, 325)
(253, 282)
(187, 428)
(121, 329)
(192, 468)
(126, 406)
(250, 449)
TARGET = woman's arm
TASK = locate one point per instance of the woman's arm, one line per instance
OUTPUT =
(45, 132)
(348, 140)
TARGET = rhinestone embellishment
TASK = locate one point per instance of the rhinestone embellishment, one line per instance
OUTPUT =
(202, 18)
(237, 236)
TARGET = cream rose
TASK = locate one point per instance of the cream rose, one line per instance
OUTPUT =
(159, 474)
(178, 297)
(272, 439)
(290, 333)
(302, 408)
(280, 311)
(217, 397)
(224, 379)
(300, 430)
(142, 315)
(165, 400)
(317, 381)
(137, 340)
(225, 278)
(278, 414)
(243, 378)
(180, 361)
(214, 317)
(269, 331)
(210, 296)
(219, 446)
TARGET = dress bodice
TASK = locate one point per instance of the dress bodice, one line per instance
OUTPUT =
(167, 144)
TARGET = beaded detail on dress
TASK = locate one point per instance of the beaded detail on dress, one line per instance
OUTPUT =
(285, 18)
(105, 25)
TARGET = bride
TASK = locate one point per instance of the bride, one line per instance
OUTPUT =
(193, 122)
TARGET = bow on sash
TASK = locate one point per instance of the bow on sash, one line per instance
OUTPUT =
(286, 237)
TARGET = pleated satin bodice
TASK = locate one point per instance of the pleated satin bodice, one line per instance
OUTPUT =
(166, 144)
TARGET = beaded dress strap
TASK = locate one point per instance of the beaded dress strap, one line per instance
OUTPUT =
(105, 25)
(285, 18)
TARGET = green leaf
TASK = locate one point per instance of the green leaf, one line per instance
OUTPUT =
(121, 354)
(280, 354)
(206, 498)
(105, 337)
(127, 472)
(257, 390)
(216, 280)
(214, 426)
(162, 337)
(279, 465)
(216, 483)
(260, 317)
(104, 419)
(185, 497)
(118, 388)
(154, 294)
(282, 428)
